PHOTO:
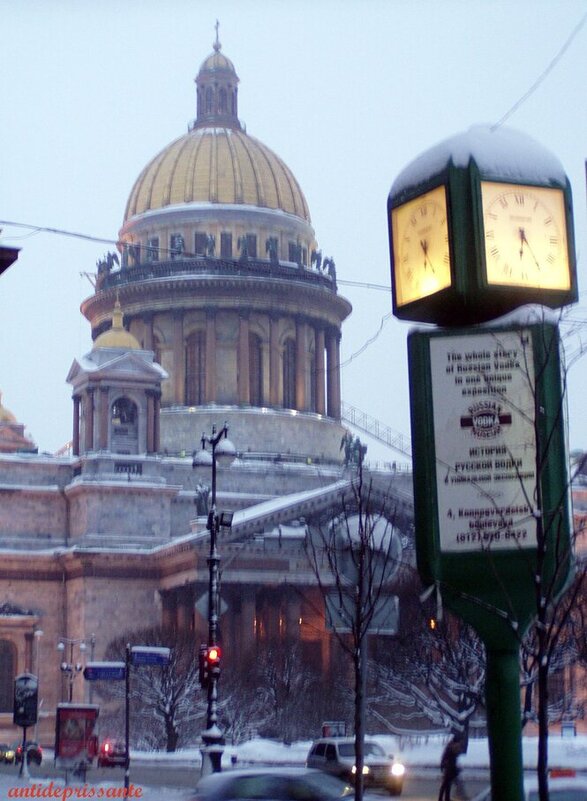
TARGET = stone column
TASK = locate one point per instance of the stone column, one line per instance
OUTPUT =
(156, 424)
(301, 359)
(178, 359)
(243, 368)
(274, 361)
(148, 338)
(76, 405)
(210, 355)
(104, 419)
(89, 420)
(333, 374)
(150, 423)
(320, 375)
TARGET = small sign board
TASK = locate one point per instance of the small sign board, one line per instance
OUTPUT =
(341, 613)
(105, 671)
(149, 655)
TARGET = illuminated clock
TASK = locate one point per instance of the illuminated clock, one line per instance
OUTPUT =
(525, 236)
(420, 247)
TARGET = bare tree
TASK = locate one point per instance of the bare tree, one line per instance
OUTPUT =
(434, 675)
(166, 701)
(354, 559)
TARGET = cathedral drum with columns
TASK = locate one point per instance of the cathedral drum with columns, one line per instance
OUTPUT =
(221, 277)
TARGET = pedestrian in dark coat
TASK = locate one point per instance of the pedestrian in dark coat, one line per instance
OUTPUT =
(449, 767)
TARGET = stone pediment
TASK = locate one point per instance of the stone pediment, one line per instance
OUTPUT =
(107, 363)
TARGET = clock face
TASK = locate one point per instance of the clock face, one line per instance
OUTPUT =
(421, 251)
(525, 236)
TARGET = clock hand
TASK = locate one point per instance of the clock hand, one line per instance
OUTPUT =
(524, 241)
(424, 246)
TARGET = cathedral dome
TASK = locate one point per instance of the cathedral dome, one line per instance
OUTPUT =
(216, 162)
(5, 415)
(117, 336)
(217, 166)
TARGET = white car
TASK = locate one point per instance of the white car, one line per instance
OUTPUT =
(560, 788)
(336, 755)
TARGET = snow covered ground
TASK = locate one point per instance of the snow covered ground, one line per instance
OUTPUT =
(565, 752)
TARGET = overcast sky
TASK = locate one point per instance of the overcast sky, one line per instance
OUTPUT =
(347, 92)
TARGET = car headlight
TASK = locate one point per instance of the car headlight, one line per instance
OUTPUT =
(397, 769)
(365, 770)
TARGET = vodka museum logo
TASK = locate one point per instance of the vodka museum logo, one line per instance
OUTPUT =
(486, 419)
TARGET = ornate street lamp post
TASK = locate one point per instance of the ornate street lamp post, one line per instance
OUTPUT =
(221, 450)
(71, 668)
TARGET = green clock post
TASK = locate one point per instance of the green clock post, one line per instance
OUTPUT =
(480, 226)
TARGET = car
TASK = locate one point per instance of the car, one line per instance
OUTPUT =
(336, 755)
(34, 752)
(562, 787)
(112, 752)
(271, 784)
(6, 753)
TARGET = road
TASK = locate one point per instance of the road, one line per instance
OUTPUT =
(421, 787)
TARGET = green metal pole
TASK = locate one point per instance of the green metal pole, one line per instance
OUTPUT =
(504, 724)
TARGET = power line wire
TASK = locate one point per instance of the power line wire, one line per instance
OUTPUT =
(543, 75)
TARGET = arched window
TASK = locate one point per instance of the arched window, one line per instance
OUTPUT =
(223, 105)
(255, 370)
(124, 412)
(7, 673)
(195, 369)
(124, 426)
(209, 98)
(289, 374)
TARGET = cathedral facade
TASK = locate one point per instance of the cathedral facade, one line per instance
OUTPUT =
(217, 307)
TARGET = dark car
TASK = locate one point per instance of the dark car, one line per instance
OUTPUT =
(6, 753)
(271, 784)
(112, 752)
(34, 753)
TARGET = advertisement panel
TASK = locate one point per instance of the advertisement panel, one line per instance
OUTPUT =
(25, 700)
(485, 440)
(75, 741)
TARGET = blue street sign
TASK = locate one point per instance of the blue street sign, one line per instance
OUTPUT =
(147, 655)
(105, 671)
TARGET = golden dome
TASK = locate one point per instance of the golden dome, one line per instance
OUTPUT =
(217, 162)
(117, 336)
(217, 165)
(5, 415)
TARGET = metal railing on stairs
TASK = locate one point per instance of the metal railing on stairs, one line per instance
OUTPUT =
(363, 421)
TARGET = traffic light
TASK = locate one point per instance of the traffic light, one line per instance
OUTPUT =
(209, 663)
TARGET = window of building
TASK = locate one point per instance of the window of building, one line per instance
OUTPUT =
(124, 412)
(7, 674)
(226, 246)
(255, 370)
(209, 100)
(289, 374)
(153, 248)
(195, 369)
(222, 101)
(176, 246)
(252, 246)
(200, 243)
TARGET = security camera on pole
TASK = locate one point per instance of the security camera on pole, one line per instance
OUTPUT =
(481, 226)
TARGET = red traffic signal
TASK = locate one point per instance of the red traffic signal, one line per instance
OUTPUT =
(213, 655)
(209, 663)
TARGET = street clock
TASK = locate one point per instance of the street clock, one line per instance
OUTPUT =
(478, 226)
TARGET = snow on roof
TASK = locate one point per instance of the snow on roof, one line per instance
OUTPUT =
(529, 314)
(500, 153)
